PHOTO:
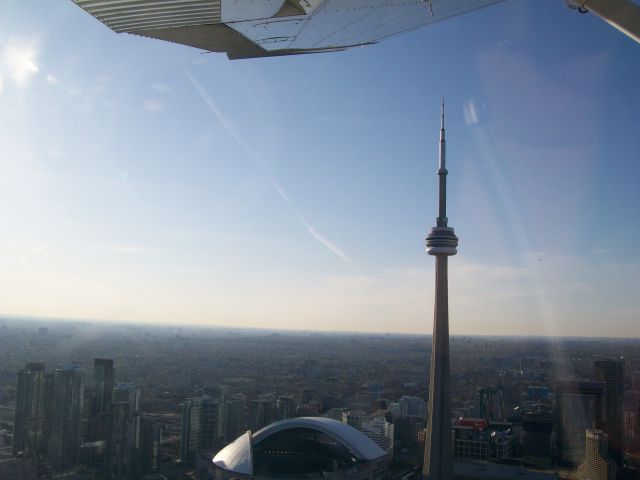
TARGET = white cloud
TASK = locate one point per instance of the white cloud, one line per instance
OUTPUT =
(52, 80)
(1, 83)
(20, 60)
(161, 87)
(152, 105)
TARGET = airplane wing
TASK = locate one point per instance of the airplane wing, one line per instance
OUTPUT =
(621, 14)
(262, 28)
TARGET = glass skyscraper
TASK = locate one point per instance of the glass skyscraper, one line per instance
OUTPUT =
(29, 424)
(67, 390)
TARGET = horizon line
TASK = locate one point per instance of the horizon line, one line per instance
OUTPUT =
(190, 325)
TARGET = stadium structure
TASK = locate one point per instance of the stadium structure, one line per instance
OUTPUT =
(302, 448)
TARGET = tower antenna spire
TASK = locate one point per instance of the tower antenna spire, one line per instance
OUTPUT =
(442, 174)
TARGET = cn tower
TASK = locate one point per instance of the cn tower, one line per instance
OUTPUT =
(441, 242)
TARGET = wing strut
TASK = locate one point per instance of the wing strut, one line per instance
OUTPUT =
(622, 14)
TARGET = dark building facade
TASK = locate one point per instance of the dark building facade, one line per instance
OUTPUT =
(200, 432)
(101, 398)
(489, 404)
(29, 423)
(579, 407)
(234, 418)
(611, 372)
(65, 402)
(537, 434)
(150, 436)
(121, 440)
(104, 382)
(405, 435)
(262, 412)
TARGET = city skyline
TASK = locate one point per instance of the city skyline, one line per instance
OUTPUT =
(147, 182)
(537, 402)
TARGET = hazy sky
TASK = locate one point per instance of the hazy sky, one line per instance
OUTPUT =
(151, 182)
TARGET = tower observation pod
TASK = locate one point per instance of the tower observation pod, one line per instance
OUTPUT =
(441, 242)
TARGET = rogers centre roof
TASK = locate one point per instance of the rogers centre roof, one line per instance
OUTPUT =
(250, 28)
(238, 456)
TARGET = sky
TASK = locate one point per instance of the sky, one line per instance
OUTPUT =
(143, 181)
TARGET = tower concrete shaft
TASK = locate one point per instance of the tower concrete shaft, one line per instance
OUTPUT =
(441, 242)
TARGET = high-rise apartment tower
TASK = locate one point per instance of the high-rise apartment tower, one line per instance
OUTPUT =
(579, 407)
(200, 418)
(29, 421)
(104, 379)
(101, 398)
(597, 464)
(611, 372)
(67, 391)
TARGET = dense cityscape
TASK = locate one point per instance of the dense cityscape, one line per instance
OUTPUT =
(90, 401)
